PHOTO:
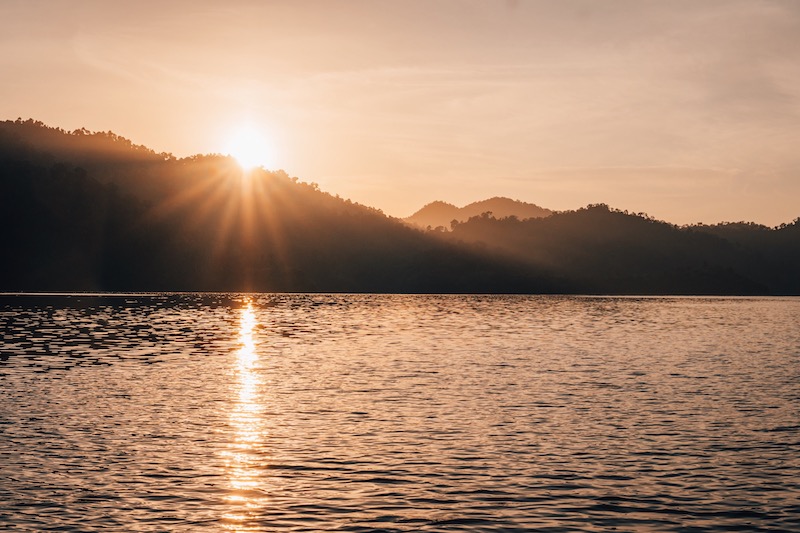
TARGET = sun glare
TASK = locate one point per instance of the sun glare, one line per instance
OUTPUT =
(251, 148)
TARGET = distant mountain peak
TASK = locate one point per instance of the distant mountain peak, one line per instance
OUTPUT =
(438, 204)
(439, 213)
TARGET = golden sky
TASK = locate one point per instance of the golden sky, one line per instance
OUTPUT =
(687, 110)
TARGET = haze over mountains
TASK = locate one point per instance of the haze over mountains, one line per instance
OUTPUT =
(92, 211)
(441, 214)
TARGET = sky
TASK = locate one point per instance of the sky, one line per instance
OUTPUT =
(688, 111)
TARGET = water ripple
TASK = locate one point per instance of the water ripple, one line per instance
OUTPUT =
(191, 412)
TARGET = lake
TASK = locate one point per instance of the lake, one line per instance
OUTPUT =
(265, 412)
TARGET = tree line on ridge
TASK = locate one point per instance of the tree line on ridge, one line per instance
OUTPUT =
(93, 211)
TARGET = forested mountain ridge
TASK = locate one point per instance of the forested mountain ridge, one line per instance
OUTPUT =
(600, 249)
(92, 211)
(95, 212)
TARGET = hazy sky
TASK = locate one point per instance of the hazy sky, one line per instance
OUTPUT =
(688, 110)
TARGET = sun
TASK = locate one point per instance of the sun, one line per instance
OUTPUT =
(251, 147)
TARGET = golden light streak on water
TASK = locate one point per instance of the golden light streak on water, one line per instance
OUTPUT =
(242, 459)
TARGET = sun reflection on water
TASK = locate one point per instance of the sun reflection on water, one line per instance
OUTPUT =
(243, 458)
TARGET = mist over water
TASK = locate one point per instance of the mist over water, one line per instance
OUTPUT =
(187, 412)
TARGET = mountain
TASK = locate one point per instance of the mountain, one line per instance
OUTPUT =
(92, 211)
(84, 211)
(604, 250)
(438, 213)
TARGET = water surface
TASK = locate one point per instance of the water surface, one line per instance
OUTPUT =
(399, 413)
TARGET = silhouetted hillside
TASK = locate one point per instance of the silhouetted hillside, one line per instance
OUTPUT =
(601, 250)
(441, 214)
(89, 211)
(770, 255)
(83, 211)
